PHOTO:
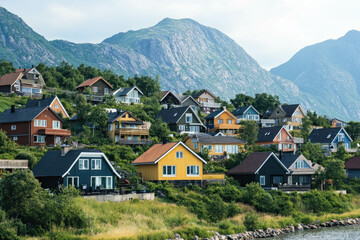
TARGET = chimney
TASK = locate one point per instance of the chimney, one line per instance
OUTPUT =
(32, 66)
(44, 96)
(38, 104)
(164, 140)
(64, 149)
(224, 107)
(12, 108)
(280, 154)
(24, 69)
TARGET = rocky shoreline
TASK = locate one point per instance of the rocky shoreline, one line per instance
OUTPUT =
(272, 232)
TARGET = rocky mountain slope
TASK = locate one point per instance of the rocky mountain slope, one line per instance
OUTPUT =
(183, 53)
(329, 71)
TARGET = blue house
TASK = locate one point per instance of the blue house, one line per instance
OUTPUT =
(246, 113)
(88, 169)
(331, 138)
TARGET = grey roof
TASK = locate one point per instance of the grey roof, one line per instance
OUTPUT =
(53, 164)
(267, 134)
(290, 109)
(205, 138)
(214, 114)
(324, 135)
(240, 110)
(182, 98)
(21, 114)
(289, 158)
(171, 115)
(124, 91)
(114, 115)
(40, 102)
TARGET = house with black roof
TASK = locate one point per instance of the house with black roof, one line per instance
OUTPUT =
(88, 169)
(352, 167)
(128, 95)
(302, 170)
(289, 116)
(53, 102)
(181, 119)
(264, 168)
(331, 138)
(246, 113)
(169, 99)
(33, 126)
(278, 136)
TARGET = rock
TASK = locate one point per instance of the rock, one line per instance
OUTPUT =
(196, 237)
(300, 227)
(177, 236)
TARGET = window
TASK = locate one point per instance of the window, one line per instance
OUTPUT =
(192, 170)
(39, 139)
(83, 164)
(195, 129)
(95, 89)
(96, 164)
(285, 146)
(57, 140)
(195, 145)
(36, 76)
(110, 127)
(229, 121)
(288, 138)
(341, 137)
(56, 124)
(188, 118)
(40, 123)
(262, 180)
(277, 179)
(73, 181)
(169, 171)
(210, 147)
(106, 91)
(301, 164)
(101, 182)
(179, 154)
(116, 138)
(181, 127)
(277, 112)
(256, 117)
(280, 136)
(36, 90)
(280, 146)
(56, 106)
(220, 121)
(289, 146)
(13, 127)
(231, 149)
(15, 138)
(219, 148)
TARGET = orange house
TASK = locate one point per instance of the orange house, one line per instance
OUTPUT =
(278, 136)
(52, 102)
(222, 121)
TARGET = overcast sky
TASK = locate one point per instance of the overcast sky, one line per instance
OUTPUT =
(271, 31)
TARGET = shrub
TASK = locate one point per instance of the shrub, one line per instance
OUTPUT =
(251, 221)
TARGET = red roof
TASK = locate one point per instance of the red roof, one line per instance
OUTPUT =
(250, 164)
(154, 153)
(22, 70)
(353, 163)
(91, 81)
(10, 78)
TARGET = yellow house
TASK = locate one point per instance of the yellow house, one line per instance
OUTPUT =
(174, 162)
(222, 121)
(125, 128)
(216, 145)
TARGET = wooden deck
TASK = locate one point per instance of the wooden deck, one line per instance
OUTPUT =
(13, 164)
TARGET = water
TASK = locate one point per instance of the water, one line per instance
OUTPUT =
(332, 233)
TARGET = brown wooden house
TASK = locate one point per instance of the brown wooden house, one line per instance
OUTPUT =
(98, 86)
(53, 102)
(24, 81)
(33, 126)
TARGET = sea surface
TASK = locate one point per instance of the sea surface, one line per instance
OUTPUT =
(331, 233)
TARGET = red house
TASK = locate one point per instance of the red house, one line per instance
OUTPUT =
(35, 126)
(278, 136)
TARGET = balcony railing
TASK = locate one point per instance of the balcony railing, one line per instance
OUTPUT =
(132, 131)
(55, 132)
(135, 142)
(13, 164)
(210, 104)
(95, 98)
(294, 187)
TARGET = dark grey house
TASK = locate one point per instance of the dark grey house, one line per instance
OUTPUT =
(168, 98)
(88, 169)
(264, 168)
(181, 120)
(352, 167)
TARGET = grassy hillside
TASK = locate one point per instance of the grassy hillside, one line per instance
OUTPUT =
(6, 102)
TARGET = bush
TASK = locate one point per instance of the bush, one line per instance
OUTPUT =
(251, 221)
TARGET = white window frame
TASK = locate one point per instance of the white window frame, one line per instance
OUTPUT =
(218, 147)
(94, 165)
(95, 89)
(56, 106)
(233, 149)
(106, 91)
(262, 180)
(280, 146)
(110, 127)
(220, 121)
(55, 124)
(280, 136)
(72, 181)
(181, 127)
(193, 170)
(15, 138)
(229, 121)
(42, 137)
(209, 147)
(82, 165)
(195, 145)
(57, 137)
(289, 146)
(40, 123)
(98, 181)
(173, 171)
(188, 115)
(13, 127)
(180, 154)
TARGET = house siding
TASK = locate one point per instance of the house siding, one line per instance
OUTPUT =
(353, 173)
(182, 121)
(22, 132)
(283, 141)
(190, 144)
(101, 85)
(59, 109)
(271, 168)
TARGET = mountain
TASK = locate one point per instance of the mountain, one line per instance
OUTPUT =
(329, 71)
(183, 53)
